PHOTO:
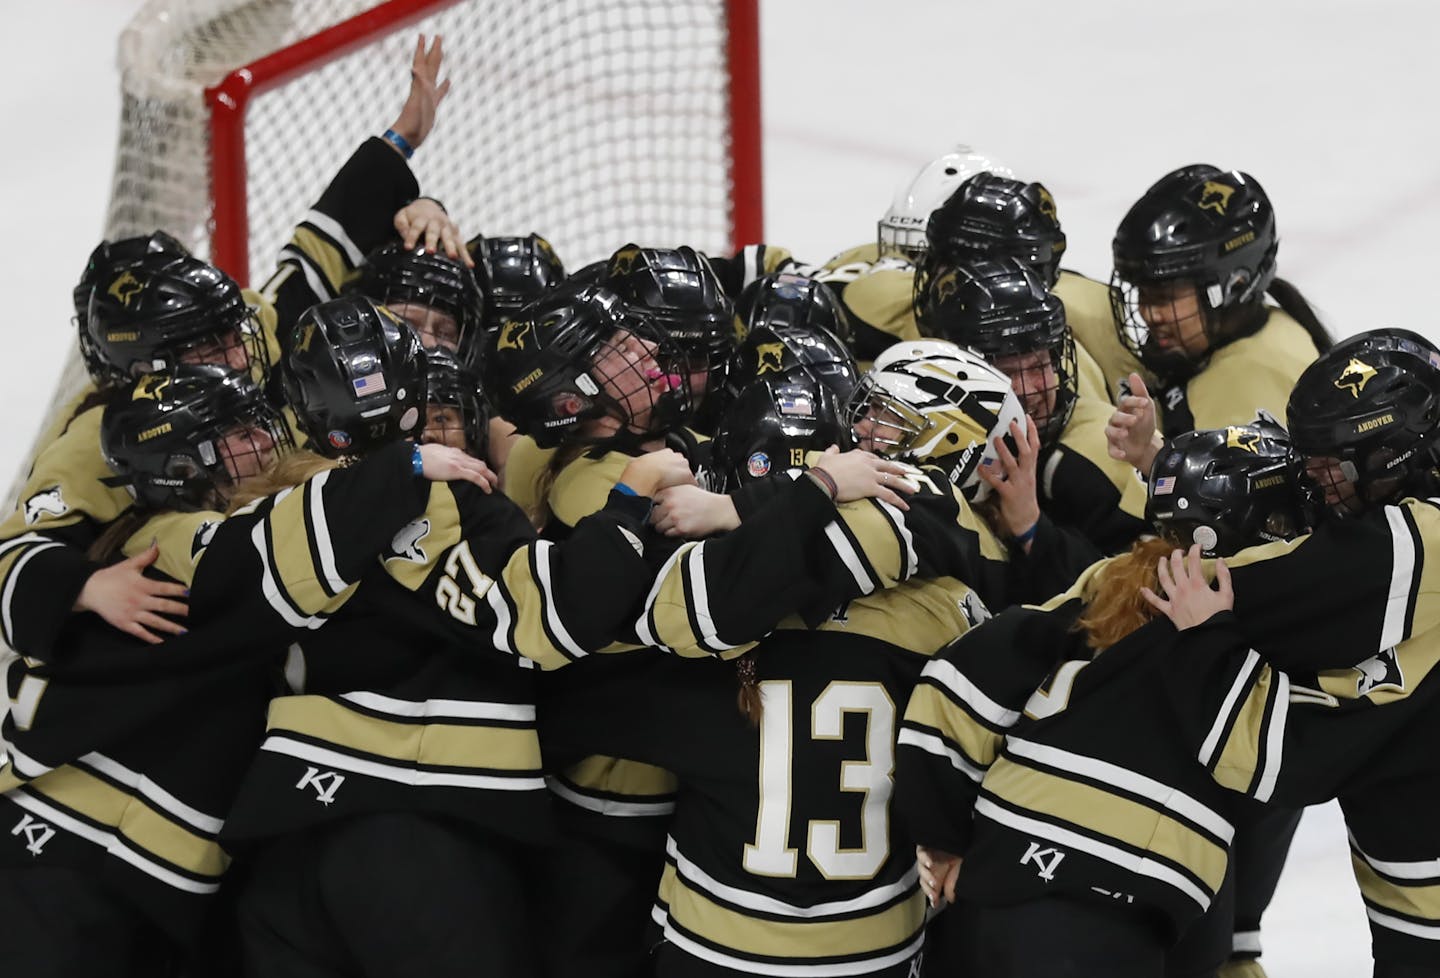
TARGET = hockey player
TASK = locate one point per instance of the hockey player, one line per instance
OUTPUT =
(781, 858)
(123, 758)
(1195, 258)
(1068, 823)
(1002, 310)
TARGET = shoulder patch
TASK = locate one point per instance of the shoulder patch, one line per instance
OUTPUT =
(1378, 672)
(406, 544)
(48, 500)
(204, 533)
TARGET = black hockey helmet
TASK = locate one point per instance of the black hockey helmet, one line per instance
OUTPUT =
(455, 401)
(442, 300)
(354, 374)
(1227, 488)
(145, 316)
(780, 351)
(679, 291)
(520, 271)
(1002, 310)
(170, 440)
(990, 216)
(770, 426)
(107, 260)
(1201, 226)
(571, 356)
(1372, 405)
(783, 299)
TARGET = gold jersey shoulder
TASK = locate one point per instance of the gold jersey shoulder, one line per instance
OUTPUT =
(1252, 373)
(1091, 319)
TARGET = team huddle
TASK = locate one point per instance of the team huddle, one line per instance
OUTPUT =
(934, 610)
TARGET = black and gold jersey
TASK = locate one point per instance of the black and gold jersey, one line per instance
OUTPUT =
(123, 757)
(521, 476)
(1253, 373)
(1082, 487)
(784, 856)
(1011, 756)
(1092, 320)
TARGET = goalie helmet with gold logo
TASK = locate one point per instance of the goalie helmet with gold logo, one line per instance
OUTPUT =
(1227, 488)
(184, 438)
(354, 374)
(1201, 228)
(931, 402)
(1365, 421)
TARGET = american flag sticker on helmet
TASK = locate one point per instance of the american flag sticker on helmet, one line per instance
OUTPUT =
(369, 384)
(1165, 485)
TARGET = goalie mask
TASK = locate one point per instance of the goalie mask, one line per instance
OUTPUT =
(933, 403)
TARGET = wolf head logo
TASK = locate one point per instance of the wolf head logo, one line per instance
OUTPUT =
(512, 335)
(1215, 197)
(1355, 376)
(126, 287)
(406, 544)
(1243, 438)
(45, 501)
(770, 357)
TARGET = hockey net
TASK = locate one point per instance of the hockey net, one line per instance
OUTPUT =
(592, 122)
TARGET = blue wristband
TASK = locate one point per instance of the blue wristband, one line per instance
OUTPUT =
(417, 463)
(399, 142)
(1028, 535)
(625, 490)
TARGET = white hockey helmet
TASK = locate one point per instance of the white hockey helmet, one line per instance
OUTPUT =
(902, 230)
(934, 403)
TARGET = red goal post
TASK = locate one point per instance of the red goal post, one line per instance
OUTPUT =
(593, 122)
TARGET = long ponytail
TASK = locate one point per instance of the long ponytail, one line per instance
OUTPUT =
(1289, 298)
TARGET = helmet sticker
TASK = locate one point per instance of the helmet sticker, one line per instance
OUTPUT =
(369, 384)
(757, 465)
(338, 439)
(1355, 376)
(587, 384)
(410, 418)
(1205, 536)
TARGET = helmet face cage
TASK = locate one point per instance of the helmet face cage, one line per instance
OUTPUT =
(456, 412)
(995, 217)
(164, 310)
(185, 438)
(443, 301)
(1003, 311)
(642, 378)
(935, 404)
(1365, 418)
(902, 230)
(770, 427)
(1227, 489)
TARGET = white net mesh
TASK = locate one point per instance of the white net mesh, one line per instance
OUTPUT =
(593, 122)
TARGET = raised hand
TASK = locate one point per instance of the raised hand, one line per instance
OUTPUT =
(417, 116)
(1131, 432)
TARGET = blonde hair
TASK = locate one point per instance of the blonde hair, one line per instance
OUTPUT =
(1117, 607)
(290, 470)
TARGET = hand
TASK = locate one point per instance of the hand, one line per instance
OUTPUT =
(442, 463)
(1013, 478)
(1131, 432)
(417, 116)
(423, 217)
(691, 512)
(1192, 600)
(860, 474)
(939, 871)
(128, 600)
(657, 470)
